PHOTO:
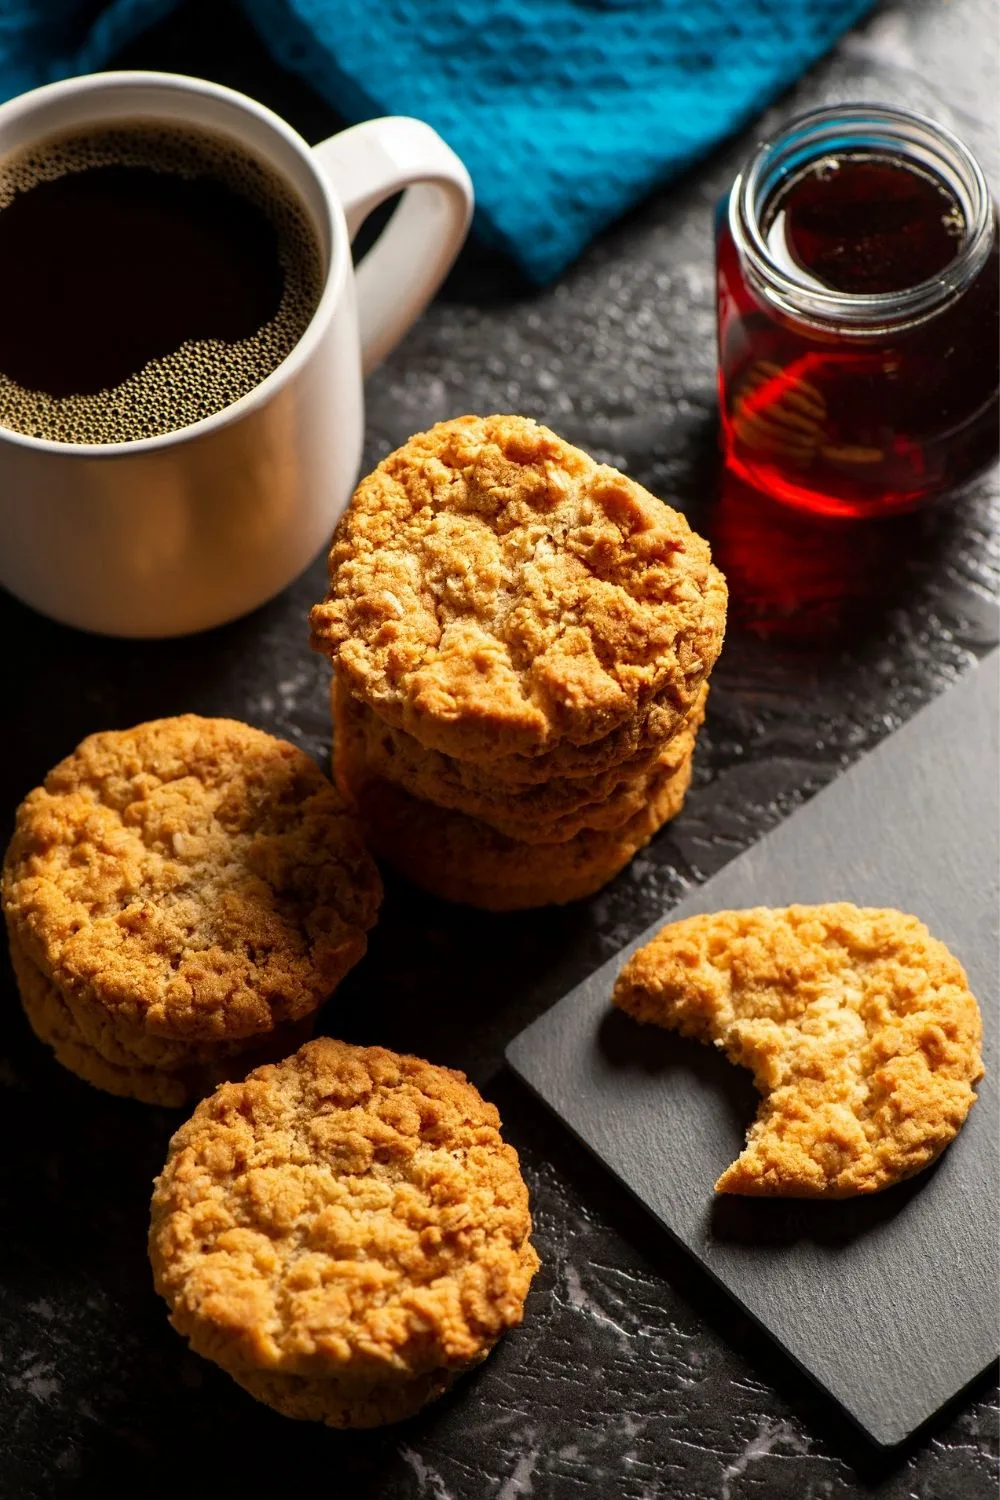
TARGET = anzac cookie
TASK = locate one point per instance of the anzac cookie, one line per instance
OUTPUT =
(642, 736)
(344, 1233)
(859, 1028)
(179, 892)
(495, 592)
(141, 1067)
(549, 813)
(463, 859)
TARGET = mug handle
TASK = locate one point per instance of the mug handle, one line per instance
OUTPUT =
(414, 253)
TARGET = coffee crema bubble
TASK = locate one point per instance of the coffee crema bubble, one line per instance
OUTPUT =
(154, 275)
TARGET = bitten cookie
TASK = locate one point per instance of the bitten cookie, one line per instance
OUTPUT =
(858, 1025)
(495, 592)
(344, 1233)
(178, 894)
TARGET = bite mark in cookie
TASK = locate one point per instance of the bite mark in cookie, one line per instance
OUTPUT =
(859, 1027)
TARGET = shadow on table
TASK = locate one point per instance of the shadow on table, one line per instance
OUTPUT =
(76, 682)
(784, 1221)
(814, 581)
(424, 986)
(130, 1407)
(627, 1045)
(533, 1128)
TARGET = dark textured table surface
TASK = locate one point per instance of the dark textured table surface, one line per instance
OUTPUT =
(631, 1379)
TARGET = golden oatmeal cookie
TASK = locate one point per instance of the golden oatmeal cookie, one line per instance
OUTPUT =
(545, 814)
(185, 1072)
(859, 1028)
(642, 736)
(344, 1233)
(463, 859)
(494, 591)
(193, 879)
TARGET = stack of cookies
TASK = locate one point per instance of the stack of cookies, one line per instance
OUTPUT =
(180, 899)
(521, 641)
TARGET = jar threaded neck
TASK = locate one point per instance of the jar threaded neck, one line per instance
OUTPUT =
(850, 128)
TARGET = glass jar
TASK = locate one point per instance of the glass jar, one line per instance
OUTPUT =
(852, 402)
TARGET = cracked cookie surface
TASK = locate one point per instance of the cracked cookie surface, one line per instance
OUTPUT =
(193, 878)
(348, 1220)
(495, 591)
(859, 1027)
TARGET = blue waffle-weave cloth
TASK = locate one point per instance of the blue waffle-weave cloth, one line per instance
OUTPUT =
(566, 112)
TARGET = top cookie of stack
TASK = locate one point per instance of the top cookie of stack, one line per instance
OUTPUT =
(508, 618)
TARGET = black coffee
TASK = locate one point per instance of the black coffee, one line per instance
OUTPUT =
(151, 277)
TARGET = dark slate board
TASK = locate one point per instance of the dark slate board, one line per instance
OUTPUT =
(888, 1302)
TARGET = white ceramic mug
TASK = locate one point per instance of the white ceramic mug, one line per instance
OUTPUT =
(179, 532)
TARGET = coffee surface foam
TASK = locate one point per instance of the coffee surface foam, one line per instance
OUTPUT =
(203, 375)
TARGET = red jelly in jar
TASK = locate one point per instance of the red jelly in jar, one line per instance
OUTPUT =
(859, 317)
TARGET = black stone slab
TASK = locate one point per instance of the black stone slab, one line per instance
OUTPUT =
(625, 1382)
(888, 1302)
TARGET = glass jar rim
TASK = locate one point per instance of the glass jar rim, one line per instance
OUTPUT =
(845, 126)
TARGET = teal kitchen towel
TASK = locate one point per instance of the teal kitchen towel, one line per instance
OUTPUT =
(566, 112)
